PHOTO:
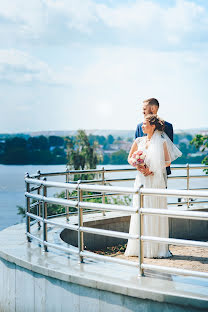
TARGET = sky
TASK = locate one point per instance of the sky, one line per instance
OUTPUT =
(89, 64)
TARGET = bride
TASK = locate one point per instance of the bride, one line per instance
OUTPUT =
(159, 153)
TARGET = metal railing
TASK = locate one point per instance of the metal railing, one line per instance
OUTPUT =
(36, 182)
(103, 180)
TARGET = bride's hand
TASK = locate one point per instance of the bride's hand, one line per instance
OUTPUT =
(145, 171)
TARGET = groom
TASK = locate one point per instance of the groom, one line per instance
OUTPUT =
(151, 106)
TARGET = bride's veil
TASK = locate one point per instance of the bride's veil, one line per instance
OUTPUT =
(155, 158)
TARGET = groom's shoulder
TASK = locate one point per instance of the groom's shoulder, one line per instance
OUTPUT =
(168, 124)
(139, 124)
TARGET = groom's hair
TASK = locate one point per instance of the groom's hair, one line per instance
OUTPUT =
(152, 101)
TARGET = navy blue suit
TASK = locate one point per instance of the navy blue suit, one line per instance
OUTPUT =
(168, 130)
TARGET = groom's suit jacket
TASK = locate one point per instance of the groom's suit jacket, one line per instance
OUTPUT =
(168, 130)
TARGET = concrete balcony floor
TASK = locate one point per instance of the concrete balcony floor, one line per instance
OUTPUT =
(116, 278)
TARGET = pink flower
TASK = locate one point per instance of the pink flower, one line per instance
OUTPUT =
(137, 158)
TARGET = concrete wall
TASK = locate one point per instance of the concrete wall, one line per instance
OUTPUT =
(179, 228)
(97, 242)
(22, 290)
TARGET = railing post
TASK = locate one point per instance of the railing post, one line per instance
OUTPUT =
(67, 197)
(140, 216)
(44, 217)
(188, 181)
(80, 223)
(39, 205)
(103, 183)
(27, 202)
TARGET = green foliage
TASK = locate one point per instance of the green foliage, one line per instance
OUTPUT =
(110, 139)
(54, 209)
(32, 150)
(201, 142)
(100, 139)
(119, 157)
(80, 154)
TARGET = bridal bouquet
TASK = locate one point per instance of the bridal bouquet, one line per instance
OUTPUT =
(137, 158)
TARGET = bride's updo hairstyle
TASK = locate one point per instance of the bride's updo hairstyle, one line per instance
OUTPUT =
(157, 121)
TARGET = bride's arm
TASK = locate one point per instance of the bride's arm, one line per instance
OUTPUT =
(132, 150)
(166, 154)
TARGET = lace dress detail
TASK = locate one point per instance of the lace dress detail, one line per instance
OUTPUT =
(153, 225)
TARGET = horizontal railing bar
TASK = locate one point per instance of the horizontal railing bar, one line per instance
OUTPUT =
(175, 271)
(107, 207)
(120, 180)
(42, 174)
(199, 188)
(185, 177)
(191, 203)
(177, 177)
(125, 190)
(87, 181)
(92, 255)
(52, 184)
(58, 215)
(35, 188)
(34, 204)
(53, 200)
(34, 216)
(71, 203)
(184, 214)
(106, 188)
(174, 241)
(132, 179)
(34, 237)
(65, 226)
(174, 193)
(107, 180)
(34, 176)
(68, 250)
(94, 196)
(108, 233)
(101, 188)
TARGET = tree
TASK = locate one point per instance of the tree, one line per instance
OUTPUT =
(119, 158)
(15, 151)
(54, 140)
(110, 139)
(80, 154)
(201, 142)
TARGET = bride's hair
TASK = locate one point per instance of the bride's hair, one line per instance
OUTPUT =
(157, 121)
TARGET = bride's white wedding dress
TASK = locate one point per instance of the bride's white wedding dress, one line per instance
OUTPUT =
(153, 225)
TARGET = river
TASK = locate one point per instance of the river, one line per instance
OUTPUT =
(12, 186)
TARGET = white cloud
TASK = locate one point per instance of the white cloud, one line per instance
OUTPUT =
(24, 18)
(20, 67)
(149, 19)
(138, 21)
(78, 14)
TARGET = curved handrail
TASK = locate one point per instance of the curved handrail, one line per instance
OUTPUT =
(102, 190)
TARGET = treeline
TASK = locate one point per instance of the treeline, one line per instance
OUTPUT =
(21, 150)
(34, 150)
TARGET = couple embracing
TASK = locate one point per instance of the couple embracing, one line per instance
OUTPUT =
(156, 151)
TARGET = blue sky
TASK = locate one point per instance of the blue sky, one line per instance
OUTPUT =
(70, 64)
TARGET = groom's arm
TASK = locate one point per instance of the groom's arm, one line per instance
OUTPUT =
(169, 130)
(138, 131)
